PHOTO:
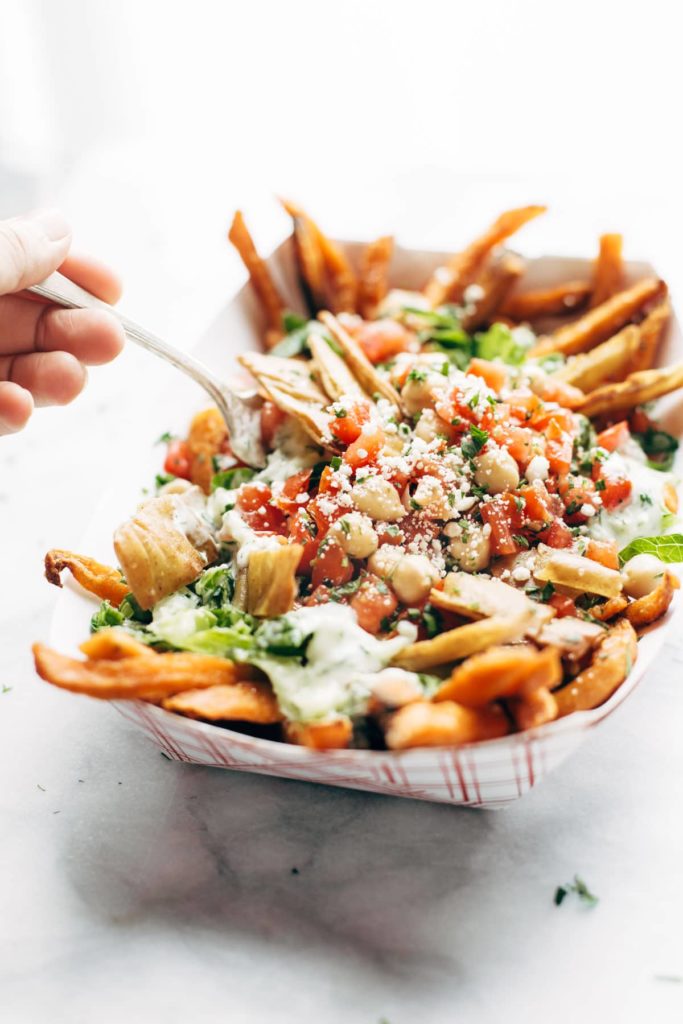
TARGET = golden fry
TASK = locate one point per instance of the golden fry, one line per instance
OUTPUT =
(650, 335)
(368, 377)
(113, 644)
(207, 437)
(572, 637)
(645, 610)
(242, 701)
(533, 709)
(560, 298)
(602, 322)
(334, 735)
(610, 361)
(133, 678)
(309, 256)
(422, 724)
(373, 284)
(479, 597)
(271, 580)
(612, 607)
(261, 280)
(613, 659)
(104, 581)
(459, 643)
(638, 388)
(448, 283)
(501, 672)
(288, 384)
(608, 276)
(496, 281)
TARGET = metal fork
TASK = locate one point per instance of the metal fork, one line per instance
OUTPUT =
(241, 411)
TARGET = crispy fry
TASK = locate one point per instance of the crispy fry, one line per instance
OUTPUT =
(608, 275)
(496, 281)
(612, 360)
(271, 580)
(334, 735)
(360, 366)
(611, 663)
(651, 331)
(373, 284)
(156, 557)
(568, 569)
(309, 257)
(207, 437)
(113, 644)
(104, 581)
(262, 283)
(335, 376)
(601, 322)
(501, 672)
(533, 709)
(645, 610)
(612, 607)
(478, 597)
(134, 678)
(241, 701)
(460, 642)
(340, 285)
(560, 298)
(422, 724)
(448, 283)
(638, 388)
(571, 636)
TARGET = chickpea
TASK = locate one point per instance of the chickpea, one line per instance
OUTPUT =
(413, 578)
(642, 574)
(393, 444)
(385, 560)
(470, 548)
(428, 426)
(429, 495)
(378, 498)
(496, 471)
(417, 392)
(354, 533)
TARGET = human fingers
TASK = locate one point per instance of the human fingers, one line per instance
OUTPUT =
(16, 406)
(53, 378)
(92, 335)
(31, 247)
(94, 276)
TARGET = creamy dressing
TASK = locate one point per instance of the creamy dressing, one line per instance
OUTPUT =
(178, 617)
(638, 517)
(292, 452)
(340, 657)
(189, 517)
(236, 531)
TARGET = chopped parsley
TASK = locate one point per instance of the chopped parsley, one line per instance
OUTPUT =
(579, 887)
(473, 442)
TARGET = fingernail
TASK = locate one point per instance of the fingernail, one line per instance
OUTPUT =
(51, 222)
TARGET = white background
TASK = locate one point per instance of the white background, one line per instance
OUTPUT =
(161, 893)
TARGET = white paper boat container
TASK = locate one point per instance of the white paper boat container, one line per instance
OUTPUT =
(487, 775)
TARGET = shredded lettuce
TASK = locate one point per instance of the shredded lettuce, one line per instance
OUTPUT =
(500, 343)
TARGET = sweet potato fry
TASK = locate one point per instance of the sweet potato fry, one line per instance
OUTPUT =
(561, 298)
(602, 322)
(134, 678)
(422, 724)
(533, 709)
(360, 366)
(612, 607)
(460, 642)
(501, 672)
(610, 361)
(207, 437)
(113, 644)
(262, 283)
(448, 283)
(638, 388)
(271, 580)
(373, 284)
(334, 735)
(242, 701)
(650, 335)
(309, 257)
(104, 581)
(496, 281)
(608, 275)
(645, 610)
(611, 663)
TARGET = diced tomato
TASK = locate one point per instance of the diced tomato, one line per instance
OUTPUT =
(521, 442)
(504, 518)
(566, 395)
(617, 491)
(558, 447)
(639, 421)
(494, 374)
(373, 602)
(382, 339)
(563, 605)
(294, 487)
(366, 448)
(613, 437)
(539, 506)
(606, 552)
(575, 492)
(564, 419)
(254, 504)
(557, 535)
(417, 525)
(271, 419)
(321, 595)
(347, 428)
(303, 530)
(331, 565)
(323, 513)
(523, 404)
(178, 459)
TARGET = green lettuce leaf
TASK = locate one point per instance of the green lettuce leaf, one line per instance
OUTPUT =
(668, 548)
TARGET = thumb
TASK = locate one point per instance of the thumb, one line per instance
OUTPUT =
(31, 247)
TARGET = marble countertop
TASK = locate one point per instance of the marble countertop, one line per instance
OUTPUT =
(137, 889)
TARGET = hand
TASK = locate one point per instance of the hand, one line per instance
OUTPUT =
(44, 350)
